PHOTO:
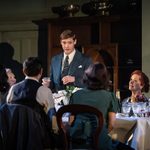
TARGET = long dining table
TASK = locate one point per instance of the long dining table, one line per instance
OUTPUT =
(134, 131)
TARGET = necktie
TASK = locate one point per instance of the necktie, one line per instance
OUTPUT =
(66, 67)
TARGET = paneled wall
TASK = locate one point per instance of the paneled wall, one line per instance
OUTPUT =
(24, 42)
(24, 39)
(16, 25)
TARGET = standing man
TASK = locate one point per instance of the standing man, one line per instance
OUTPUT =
(67, 68)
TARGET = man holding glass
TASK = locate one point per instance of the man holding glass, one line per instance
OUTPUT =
(67, 68)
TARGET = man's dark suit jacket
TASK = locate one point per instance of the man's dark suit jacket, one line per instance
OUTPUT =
(77, 67)
(22, 129)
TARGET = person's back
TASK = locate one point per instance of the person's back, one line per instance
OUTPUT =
(31, 93)
(30, 87)
(24, 93)
(103, 101)
(97, 80)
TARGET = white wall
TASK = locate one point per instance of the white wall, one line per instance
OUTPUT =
(22, 36)
(146, 38)
(24, 43)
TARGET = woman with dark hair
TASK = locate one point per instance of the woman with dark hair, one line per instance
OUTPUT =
(11, 77)
(96, 79)
(139, 83)
(95, 94)
(4, 85)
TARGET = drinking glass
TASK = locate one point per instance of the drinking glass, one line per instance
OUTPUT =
(136, 109)
(144, 109)
(126, 109)
(46, 81)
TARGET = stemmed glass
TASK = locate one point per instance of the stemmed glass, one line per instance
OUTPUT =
(144, 109)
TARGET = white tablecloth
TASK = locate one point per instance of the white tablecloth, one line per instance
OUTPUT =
(62, 98)
(141, 137)
(139, 127)
(123, 128)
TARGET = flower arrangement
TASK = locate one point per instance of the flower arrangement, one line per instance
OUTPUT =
(70, 90)
(63, 96)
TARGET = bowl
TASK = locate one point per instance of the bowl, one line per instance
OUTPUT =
(71, 9)
(66, 10)
(101, 8)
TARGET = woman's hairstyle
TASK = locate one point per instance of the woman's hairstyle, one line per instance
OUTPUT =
(96, 77)
(144, 80)
(4, 85)
(67, 34)
(32, 66)
(8, 70)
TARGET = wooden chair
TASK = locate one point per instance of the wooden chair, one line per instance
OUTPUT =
(76, 109)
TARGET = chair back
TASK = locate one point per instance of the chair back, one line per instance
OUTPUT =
(77, 109)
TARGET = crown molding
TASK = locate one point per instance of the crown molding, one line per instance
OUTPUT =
(21, 22)
(17, 26)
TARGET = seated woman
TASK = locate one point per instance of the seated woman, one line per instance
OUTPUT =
(138, 84)
(96, 94)
(4, 85)
(11, 77)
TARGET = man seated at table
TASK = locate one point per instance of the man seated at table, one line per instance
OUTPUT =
(31, 92)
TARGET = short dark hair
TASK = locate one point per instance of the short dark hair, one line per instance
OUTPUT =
(96, 77)
(32, 66)
(67, 34)
(144, 80)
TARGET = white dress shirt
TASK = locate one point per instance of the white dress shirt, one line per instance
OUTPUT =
(71, 56)
(43, 96)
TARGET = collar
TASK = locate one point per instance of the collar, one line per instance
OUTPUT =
(71, 56)
(32, 78)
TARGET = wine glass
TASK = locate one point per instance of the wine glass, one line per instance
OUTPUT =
(144, 109)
